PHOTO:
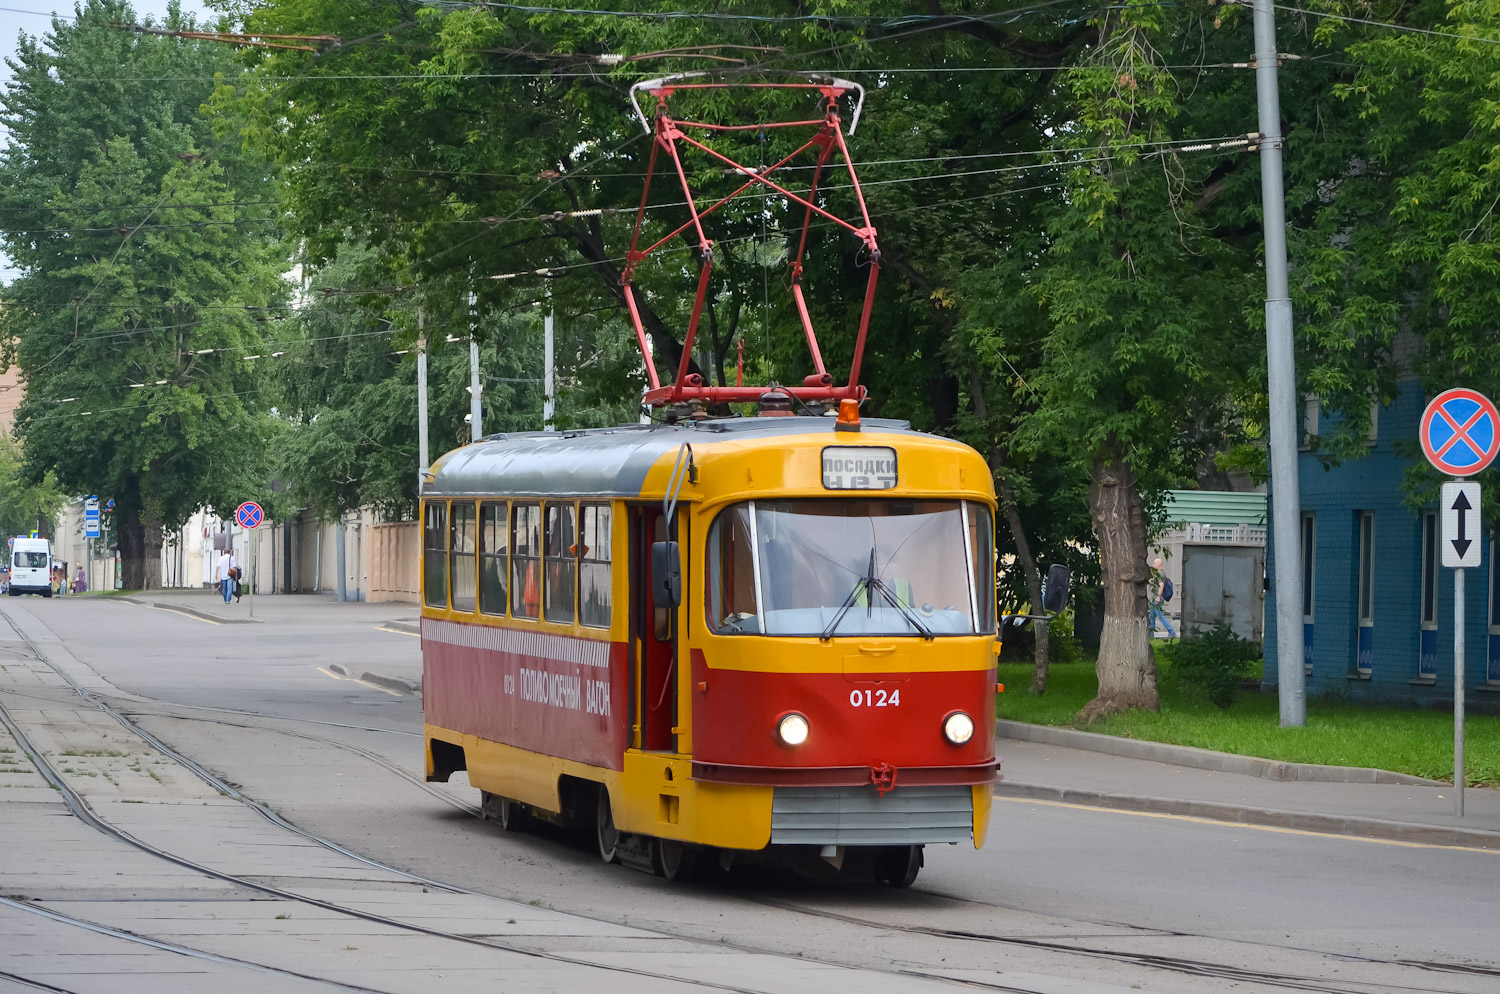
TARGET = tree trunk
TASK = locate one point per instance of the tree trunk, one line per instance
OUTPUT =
(132, 543)
(151, 542)
(1042, 656)
(1127, 664)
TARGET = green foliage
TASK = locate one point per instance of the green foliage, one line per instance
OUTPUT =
(24, 505)
(1213, 661)
(143, 263)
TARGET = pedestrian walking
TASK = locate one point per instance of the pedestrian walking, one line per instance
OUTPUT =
(1160, 592)
(80, 583)
(224, 575)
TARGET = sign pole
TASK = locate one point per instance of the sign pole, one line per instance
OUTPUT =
(1459, 776)
(254, 547)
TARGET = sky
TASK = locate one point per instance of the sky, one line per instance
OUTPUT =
(34, 17)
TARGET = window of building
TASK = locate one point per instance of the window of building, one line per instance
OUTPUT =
(1309, 563)
(435, 553)
(1492, 665)
(493, 543)
(1365, 593)
(561, 564)
(1429, 569)
(525, 560)
(594, 532)
(461, 564)
(1374, 434)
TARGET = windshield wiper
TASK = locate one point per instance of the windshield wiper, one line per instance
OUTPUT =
(870, 582)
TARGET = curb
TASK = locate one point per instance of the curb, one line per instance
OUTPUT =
(1202, 759)
(190, 611)
(409, 627)
(397, 684)
(1376, 828)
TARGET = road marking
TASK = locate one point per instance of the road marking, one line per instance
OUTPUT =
(382, 628)
(195, 617)
(372, 686)
(1244, 824)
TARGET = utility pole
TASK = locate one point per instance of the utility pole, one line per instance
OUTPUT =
(1286, 494)
(476, 431)
(422, 461)
(549, 373)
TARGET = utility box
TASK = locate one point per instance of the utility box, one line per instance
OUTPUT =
(1224, 583)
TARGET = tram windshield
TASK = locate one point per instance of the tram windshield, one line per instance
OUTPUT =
(851, 567)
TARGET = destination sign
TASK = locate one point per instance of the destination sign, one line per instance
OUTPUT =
(859, 467)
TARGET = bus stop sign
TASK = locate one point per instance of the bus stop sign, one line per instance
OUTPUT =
(1460, 432)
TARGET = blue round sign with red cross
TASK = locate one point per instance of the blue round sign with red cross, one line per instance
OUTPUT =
(1460, 432)
(249, 514)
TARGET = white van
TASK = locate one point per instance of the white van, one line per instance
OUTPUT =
(31, 567)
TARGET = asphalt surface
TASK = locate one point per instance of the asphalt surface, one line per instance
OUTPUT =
(1065, 897)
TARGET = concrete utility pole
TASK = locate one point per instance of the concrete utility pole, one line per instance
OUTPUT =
(549, 374)
(476, 431)
(422, 459)
(1286, 494)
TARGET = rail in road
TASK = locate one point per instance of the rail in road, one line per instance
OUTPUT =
(1415, 975)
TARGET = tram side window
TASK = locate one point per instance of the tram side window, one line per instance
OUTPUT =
(525, 556)
(435, 554)
(593, 565)
(562, 566)
(461, 564)
(492, 546)
(982, 546)
(731, 571)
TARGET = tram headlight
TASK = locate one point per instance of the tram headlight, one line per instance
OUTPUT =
(958, 728)
(792, 729)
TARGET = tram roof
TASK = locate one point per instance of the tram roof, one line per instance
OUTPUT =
(612, 462)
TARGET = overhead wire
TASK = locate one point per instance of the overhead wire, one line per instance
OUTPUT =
(554, 271)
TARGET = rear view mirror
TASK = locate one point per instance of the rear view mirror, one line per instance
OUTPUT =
(666, 575)
(1055, 589)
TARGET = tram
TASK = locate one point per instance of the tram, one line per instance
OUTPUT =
(762, 636)
(767, 637)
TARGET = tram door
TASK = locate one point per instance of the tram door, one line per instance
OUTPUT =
(653, 670)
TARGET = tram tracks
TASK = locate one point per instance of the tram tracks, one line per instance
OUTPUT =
(1158, 961)
(126, 709)
(78, 805)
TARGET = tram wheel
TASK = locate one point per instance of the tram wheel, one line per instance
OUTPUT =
(509, 815)
(899, 865)
(604, 824)
(676, 861)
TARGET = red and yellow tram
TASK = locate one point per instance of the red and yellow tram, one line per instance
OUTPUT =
(766, 637)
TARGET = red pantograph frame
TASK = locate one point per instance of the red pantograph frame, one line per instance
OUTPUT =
(667, 132)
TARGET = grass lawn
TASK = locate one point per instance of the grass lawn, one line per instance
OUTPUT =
(1337, 732)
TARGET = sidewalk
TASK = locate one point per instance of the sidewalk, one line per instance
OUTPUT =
(275, 608)
(1075, 767)
(1051, 764)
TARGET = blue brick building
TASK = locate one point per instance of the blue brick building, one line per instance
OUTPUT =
(1377, 608)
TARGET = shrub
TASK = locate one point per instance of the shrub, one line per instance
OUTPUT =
(1213, 660)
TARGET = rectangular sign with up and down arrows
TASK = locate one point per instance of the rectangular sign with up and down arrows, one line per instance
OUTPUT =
(1460, 534)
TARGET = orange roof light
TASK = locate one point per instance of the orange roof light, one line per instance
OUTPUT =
(848, 416)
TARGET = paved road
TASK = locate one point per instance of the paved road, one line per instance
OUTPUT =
(1064, 898)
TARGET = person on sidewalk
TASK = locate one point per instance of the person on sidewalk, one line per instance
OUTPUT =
(224, 576)
(1160, 591)
(80, 583)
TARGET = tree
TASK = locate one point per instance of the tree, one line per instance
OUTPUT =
(1137, 355)
(24, 506)
(147, 254)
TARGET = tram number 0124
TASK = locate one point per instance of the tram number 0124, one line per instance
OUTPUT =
(875, 698)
